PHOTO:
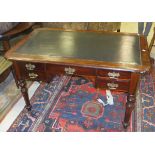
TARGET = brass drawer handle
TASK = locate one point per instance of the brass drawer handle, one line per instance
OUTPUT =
(112, 85)
(113, 75)
(69, 71)
(144, 50)
(30, 67)
(33, 75)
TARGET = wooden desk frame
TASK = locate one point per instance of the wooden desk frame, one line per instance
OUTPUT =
(96, 71)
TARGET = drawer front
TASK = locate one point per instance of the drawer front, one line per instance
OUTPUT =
(70, 70)
(119, 85)
(114, 74)
(34, 76)
(32, 71)
(28, 66)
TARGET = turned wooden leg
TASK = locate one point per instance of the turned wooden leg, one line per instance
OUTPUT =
(128, 111)
(24, 91)
(131, 99)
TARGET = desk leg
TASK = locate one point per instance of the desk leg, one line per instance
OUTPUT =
(131, 99)
(24, 91)
(128, 111)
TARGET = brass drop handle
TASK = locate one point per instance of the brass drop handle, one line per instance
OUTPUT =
(112, 85)
(69, 70)
(33, 75)
(113, 75)
(144, 50)
(30, 67)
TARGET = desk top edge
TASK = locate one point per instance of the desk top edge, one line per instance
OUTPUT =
(95, 31)
(10, 55)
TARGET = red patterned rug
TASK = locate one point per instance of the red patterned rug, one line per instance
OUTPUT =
(71, 105)
(147, 106)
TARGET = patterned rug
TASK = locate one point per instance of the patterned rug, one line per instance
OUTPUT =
(9, 95)
(147, 92)
(71, 105)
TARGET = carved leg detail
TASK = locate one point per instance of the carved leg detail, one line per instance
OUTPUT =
(24, 91)
(129, 107)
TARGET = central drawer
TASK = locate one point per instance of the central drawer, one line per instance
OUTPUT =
(70, 70)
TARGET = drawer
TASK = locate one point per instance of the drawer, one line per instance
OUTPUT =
(114, 74)
(33, 75)
(70, 70)
(28, 66)
(119, 85)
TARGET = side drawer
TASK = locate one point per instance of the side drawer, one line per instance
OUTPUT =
(32, 71)
(70, 70)
(119, 85)
(114, 74)
(34, 76)
(29, 66)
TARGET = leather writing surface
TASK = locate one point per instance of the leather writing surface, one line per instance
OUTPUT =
(108, 47)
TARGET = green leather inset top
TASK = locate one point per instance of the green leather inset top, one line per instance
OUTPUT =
(108, 47)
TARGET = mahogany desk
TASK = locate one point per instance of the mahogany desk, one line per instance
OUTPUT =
(111, 60)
